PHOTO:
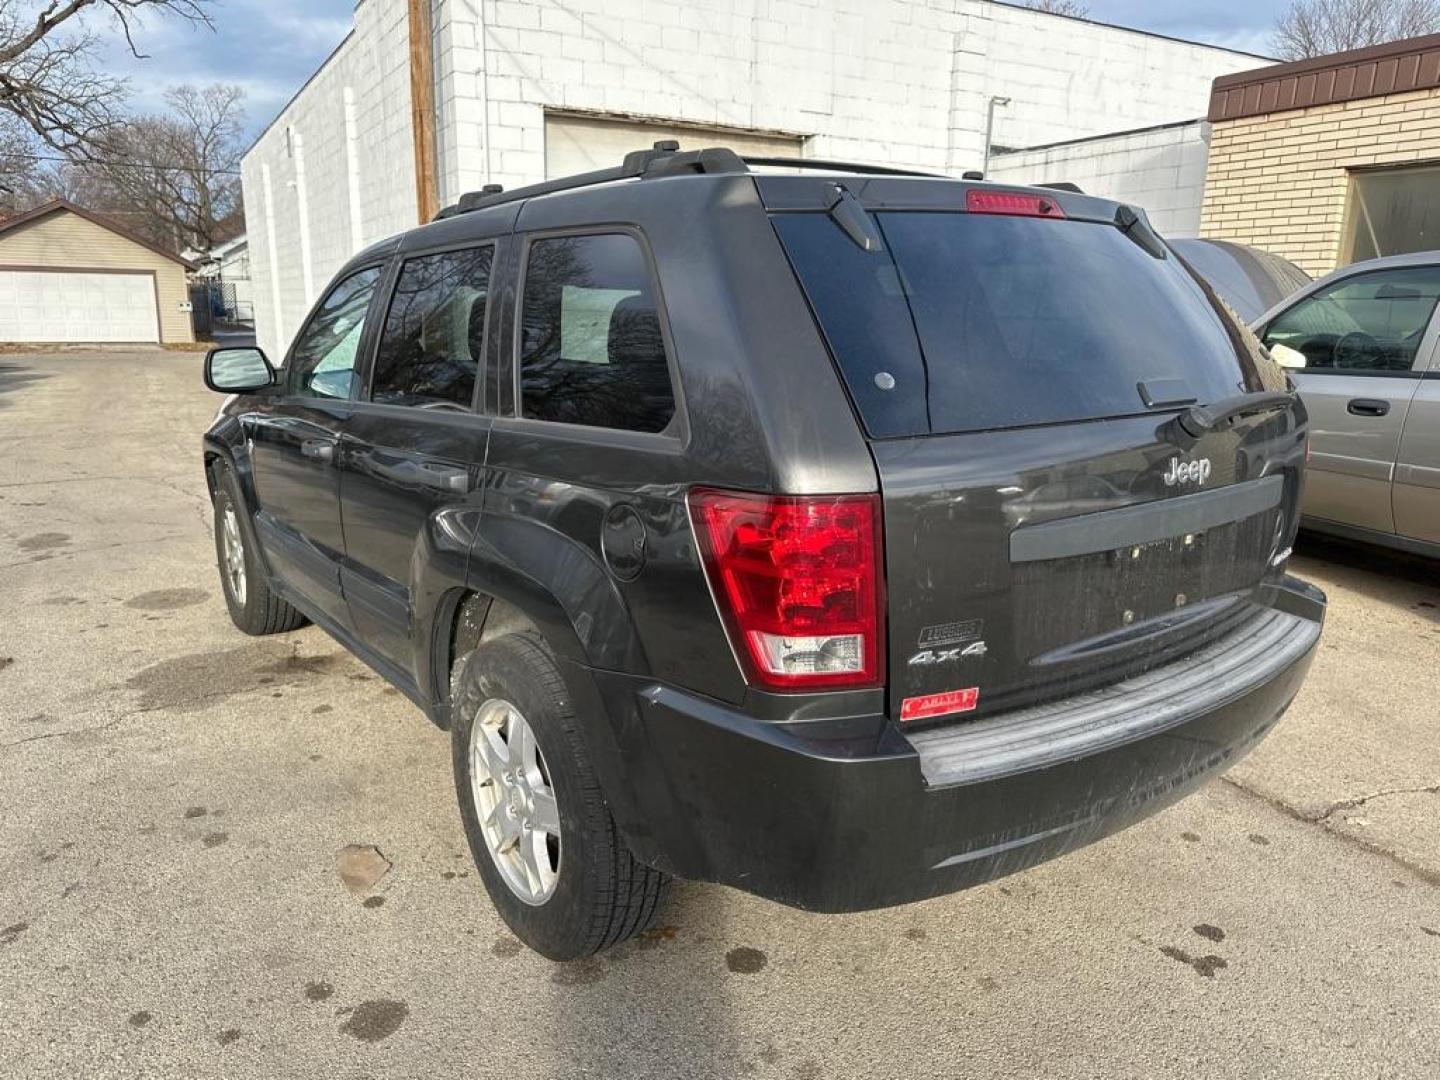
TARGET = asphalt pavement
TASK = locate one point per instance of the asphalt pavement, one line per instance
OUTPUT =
(178, 803)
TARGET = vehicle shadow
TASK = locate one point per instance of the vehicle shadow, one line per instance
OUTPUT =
(1409, 582)
(14, 375)
(664, 997)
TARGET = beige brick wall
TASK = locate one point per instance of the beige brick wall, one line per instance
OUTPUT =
(1280, 181)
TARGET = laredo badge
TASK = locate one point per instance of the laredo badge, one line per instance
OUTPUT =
(961, 638)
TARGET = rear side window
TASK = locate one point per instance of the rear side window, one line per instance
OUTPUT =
(591, 351)
(978, 321)
(434, 333)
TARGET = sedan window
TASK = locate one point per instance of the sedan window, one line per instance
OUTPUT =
(1369, 322)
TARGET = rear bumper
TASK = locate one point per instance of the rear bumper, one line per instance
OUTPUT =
(825, 827)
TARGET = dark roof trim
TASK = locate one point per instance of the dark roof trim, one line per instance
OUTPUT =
(56, 205)
(998, 153)
(1393, 68)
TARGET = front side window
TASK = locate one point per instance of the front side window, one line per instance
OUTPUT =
(434, 334)
(591, 351)
(322, 362)
(1370, 322)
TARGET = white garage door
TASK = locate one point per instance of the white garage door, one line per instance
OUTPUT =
(77, 306)
(576, 144)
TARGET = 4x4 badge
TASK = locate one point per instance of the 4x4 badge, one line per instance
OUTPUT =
(940, 656)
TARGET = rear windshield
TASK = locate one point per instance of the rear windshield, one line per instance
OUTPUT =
(970, 322)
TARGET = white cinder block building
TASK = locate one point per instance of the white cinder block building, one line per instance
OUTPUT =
(1161, 168)
(530, 89)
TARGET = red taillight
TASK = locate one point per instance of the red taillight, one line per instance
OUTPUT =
(979, 201)
(799, 584)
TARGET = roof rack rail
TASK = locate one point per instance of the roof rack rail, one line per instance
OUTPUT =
(838, 166)
(1062, 185)
(664, 159)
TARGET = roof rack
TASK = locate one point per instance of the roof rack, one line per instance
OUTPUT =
(839, 166)
(663, 159)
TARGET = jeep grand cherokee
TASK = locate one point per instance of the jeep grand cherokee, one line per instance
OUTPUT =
(848, 537)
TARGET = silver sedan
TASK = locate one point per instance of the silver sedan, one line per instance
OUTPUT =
(1361, 345)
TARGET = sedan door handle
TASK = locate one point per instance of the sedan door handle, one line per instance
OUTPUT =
(1364, 406)
(318, 449)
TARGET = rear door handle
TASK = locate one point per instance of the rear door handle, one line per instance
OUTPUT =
(1364, 406)
(318, 449)
(445, 478)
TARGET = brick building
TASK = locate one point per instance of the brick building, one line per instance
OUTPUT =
(529, 89)
(1331, 160)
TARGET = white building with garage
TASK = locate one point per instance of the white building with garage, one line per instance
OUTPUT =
(428, 99)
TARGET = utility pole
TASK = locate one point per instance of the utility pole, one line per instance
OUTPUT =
(422, 109)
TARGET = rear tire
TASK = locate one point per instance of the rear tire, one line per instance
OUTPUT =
(254, 608)
(516, 745)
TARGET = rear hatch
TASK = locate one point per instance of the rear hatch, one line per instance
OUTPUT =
(1058, 515)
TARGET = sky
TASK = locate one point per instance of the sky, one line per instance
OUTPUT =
(270, 47)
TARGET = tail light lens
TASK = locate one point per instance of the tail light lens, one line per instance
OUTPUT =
(798, 583)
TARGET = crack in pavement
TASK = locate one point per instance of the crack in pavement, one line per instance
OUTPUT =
(1361, 800)
(71, 731)
(306, 663)
(71, 552)
(1430, 877)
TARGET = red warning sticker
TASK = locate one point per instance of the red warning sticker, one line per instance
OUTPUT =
(930, 705)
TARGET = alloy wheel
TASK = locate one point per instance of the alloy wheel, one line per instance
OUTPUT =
(514, 801)
(233, 548)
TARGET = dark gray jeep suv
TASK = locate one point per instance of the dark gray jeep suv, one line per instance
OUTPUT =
(849, 537)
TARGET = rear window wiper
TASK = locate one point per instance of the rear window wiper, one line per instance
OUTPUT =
(1199, 419)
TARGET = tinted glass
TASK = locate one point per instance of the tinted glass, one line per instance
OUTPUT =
(591, 351)
(430, 348)
(1250, 280)
(322, 362)
(1016, 321)
(1370, 322)
(857, 297)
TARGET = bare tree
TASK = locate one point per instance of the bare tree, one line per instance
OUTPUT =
(1317, 27)
(1059, 7)
(47, 78)
(177, 175)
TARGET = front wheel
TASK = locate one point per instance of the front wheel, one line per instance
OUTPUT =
(253, 607)
(556, 867)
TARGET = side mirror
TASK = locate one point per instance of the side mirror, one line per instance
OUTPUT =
(238, 371)
(1287, 357)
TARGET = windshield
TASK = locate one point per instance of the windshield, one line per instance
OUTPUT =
(969, 322)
